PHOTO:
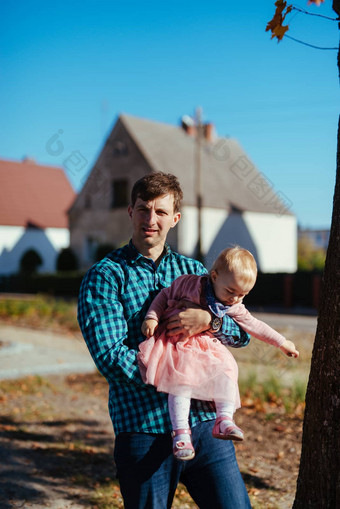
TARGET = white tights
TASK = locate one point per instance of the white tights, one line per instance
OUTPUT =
(179, 407)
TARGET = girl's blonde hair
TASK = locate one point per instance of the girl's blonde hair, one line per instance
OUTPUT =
(239, 260)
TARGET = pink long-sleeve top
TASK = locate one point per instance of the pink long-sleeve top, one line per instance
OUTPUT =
(189, 287)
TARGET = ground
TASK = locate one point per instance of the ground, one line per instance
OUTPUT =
(56, 445)
(56, 438)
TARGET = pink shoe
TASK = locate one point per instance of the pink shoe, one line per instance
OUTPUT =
(232, 432)
(183, 450)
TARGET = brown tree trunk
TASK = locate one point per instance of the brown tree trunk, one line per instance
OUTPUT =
(318, 484)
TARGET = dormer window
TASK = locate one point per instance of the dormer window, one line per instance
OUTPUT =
(120, 195)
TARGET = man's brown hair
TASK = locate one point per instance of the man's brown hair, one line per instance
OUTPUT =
(157, 184)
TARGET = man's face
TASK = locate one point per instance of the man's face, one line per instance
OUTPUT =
(151, 221)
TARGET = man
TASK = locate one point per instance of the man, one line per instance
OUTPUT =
(114, 297)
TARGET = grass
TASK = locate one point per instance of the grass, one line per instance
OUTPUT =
(262, 389)
(108, 496)
(33, 385)
(272, 392)
(40, 312)
(29, 402)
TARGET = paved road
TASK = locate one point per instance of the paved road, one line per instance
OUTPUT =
(31, 352)
(298, 322)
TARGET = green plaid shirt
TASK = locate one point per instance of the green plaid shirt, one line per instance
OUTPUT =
(114, 297)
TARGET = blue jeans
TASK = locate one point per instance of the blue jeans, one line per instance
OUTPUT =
(148, 473)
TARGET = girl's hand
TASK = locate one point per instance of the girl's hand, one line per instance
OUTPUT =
(289, 349)
(148, 327)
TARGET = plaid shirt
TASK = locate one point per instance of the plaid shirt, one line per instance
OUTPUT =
(114, 297)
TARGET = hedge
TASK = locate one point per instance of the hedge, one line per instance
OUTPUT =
(301, 289)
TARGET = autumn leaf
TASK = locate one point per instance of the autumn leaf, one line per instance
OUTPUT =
(279, 31)
(275, 25)
(254, 491)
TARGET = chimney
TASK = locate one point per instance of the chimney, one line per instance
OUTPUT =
(28, 160)
(209, 132)
(189, 126)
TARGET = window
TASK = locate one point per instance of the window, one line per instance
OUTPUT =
(120, 197)
(119, 149)
(87, 202)
(91, 245)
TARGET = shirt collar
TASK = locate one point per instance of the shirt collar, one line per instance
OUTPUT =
(215, 306)
(135, 255)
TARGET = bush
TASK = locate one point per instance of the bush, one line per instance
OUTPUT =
(30, 261)
(59, 284)
(67, 260)
(310, 257)
(102, 250)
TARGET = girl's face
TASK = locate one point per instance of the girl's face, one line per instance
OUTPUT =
(229, 287)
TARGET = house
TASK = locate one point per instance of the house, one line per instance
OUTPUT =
(318, 237)
(238, 204)
(33, 213)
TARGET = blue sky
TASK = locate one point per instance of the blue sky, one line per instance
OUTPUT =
(67, 69)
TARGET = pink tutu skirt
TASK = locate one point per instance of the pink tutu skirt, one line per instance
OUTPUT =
(199, 367)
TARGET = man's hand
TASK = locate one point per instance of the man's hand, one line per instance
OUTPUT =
(189, 321)
(148, 327)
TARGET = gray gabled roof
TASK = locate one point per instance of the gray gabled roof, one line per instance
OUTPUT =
(228, 177)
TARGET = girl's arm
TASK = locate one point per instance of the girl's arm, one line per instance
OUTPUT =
(158, 305)
(261, 330)
(154, 313)
(149, 326)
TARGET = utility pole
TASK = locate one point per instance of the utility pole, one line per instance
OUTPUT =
(198, 179)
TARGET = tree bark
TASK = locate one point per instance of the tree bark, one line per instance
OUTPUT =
(318, 484)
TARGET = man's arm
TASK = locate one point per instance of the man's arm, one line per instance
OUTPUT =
(189, 321)
(194, 320)
(231, 334)
(101, 320)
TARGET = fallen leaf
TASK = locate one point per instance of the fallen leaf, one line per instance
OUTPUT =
(253, 491)
(280, 428)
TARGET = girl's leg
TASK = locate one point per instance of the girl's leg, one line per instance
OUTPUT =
(179, 408)
(224, 409)
(225, 428)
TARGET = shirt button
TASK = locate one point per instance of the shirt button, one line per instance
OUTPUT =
(215, 340)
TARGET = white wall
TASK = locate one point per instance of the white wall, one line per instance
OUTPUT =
(212, 222)
(15, 241)
(276, 239)
(271, 238)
